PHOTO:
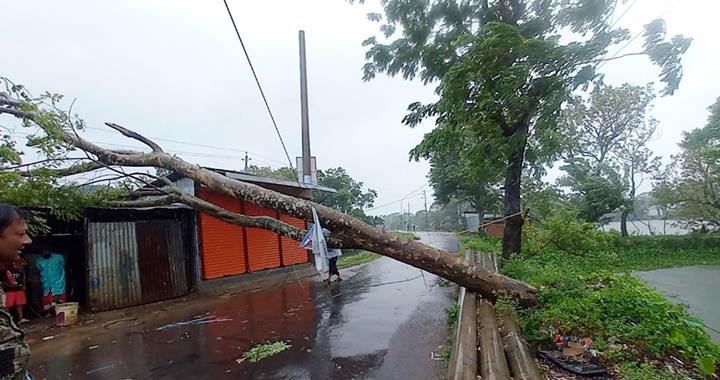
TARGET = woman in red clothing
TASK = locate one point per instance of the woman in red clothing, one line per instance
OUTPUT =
(13, 283)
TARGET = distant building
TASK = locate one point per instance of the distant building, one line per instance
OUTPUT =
(491, 225)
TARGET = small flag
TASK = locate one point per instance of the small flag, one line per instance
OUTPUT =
(307, 241)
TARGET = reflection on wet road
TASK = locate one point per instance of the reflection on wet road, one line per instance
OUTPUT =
(381, 323)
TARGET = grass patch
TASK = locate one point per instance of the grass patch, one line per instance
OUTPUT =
(408, 235)
(356, 259)
(263, 351)
(453, 313)
(362, 257)
(591, 294)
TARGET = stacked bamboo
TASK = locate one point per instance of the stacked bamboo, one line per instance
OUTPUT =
(488, 345)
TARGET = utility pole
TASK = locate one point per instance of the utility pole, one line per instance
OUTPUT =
(305, 119)
(427, 219)
(402, 218)
(246, 162)
(409, 214)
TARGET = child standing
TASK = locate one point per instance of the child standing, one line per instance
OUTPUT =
(13, 283)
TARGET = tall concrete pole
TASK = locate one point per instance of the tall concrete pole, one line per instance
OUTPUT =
(427, 220)
(306, 172)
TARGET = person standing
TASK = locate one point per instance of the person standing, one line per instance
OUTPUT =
(14, 351)
(13, 284)
(52, 275)
(333, 255)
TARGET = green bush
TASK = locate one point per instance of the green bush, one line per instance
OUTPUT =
(586, 292)
(563, 232)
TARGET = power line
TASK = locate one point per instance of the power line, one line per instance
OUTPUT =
(635, 37)
(201, 146)
(188, 153)
(623, 14)
(257, 81)
(399, 200)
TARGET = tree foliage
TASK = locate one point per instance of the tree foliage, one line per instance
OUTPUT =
(284, 173)
(607, 157)
(691, 184)
(351, 197)
(38, 182)
(504, 74)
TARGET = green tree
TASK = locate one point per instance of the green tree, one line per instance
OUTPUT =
(595, 191)
(542, 199)
(46, 181)
(607, 154)
(505, 72)
(692, 182)
(351, 198)
(455, 174)
(284, 173)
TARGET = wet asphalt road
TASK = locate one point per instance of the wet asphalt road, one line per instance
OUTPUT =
(695, 286)
(381, 323)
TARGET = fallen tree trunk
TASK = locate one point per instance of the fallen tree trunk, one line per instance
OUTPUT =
(348, 232)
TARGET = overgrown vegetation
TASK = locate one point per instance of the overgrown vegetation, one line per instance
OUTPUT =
(586, 291)
(263, 351)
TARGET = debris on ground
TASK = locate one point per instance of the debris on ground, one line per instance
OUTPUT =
(197, 320)
(263, 351)
(49, 337)
(120, 321)
(109, 366)
(574, 355)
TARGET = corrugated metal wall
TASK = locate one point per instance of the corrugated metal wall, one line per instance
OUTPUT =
(228, 249)
(263, 245)
(113, 273)
(161, 258)
(222, 243)
(131, 263)
(292, 253)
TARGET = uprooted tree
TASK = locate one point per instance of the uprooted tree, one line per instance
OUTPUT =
(58, 129)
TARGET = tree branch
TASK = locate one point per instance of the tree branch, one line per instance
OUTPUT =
(135, 136)
(66, 172)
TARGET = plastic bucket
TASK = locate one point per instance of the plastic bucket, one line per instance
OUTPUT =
(66, 314)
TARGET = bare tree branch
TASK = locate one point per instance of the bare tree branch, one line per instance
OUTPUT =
(66, 172)
(135, 136)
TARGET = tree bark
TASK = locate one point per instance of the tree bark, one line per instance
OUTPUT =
(623, 223)
(352, 232)
(512, 235)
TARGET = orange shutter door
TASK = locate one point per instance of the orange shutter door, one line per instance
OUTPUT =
(292, 253)
(222, 243)
(263, 245)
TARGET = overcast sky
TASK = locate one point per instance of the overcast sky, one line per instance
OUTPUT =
(173, 69)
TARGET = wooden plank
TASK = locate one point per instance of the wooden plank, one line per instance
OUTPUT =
(463, 361)
(492, 362)
(522, 363)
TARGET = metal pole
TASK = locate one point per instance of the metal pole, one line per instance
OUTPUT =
(427, 222)
(305, 119)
